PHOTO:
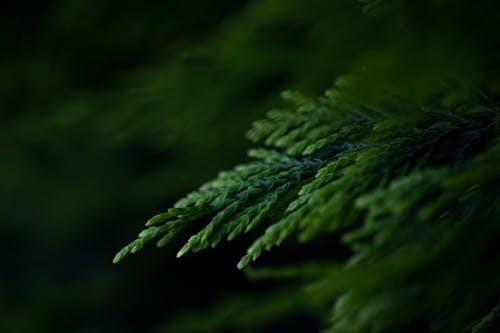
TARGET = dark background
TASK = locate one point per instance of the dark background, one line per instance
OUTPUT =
(112, 110)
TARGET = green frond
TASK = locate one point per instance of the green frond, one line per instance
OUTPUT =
(402, 193)
(355, 160)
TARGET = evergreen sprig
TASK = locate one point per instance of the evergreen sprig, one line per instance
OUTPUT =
(406, 193)
(342, 151)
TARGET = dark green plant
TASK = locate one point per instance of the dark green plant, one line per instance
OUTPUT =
(415, 198)
(398, 165)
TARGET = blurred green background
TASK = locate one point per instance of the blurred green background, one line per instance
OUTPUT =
(111, 110)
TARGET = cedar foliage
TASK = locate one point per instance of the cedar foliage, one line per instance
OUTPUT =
(398, 163)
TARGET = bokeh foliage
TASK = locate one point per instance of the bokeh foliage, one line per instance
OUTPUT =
(111, 111)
